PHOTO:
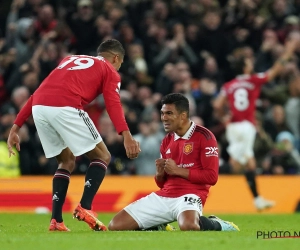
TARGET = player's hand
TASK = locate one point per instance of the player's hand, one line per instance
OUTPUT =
(171, 167)
(13, 140)
(160, 169)
(132, 146)
(160, 166)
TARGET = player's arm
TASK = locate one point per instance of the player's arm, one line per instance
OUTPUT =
(115, 111)
(278, 66)
(113, 104)
(160, 175)
(13, 137)
(209, 158)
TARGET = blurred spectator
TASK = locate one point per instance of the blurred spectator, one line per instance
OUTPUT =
(276, 123)
(212, 71)
(126, 35)
(266, 56)
(292, 105)
(198, 120)
(45, 23)
(150, 137)
(136, 66)
(165, 81)
(104, 28)
(31, 81)
(175, 49)
(82, 24)
(20, 36)
(263, 143)
(213, 38)
(291, 23)
(279, 10)
(204, 94)
(114, 142)
(9, 167)
(285, 159)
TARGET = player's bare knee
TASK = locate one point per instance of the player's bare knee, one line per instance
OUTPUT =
(106, 157)
(67, 162)
(189, 226)
(99, 153)
(112, 226)
(70, 164)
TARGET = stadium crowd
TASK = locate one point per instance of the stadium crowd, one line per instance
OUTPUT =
(171, 46)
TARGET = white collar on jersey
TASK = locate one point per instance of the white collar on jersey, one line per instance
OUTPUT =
(188, 133)
(243, 76)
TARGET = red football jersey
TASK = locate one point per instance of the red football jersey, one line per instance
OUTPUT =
(197, 151)
(242, 93)
(77, 81)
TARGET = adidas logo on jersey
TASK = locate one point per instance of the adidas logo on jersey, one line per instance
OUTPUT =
(168, 151)
(118, 88)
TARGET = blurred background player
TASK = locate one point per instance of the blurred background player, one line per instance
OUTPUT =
(239, 96)
(66, 130)
(188, 167)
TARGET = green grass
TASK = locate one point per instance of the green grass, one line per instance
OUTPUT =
(29, 231)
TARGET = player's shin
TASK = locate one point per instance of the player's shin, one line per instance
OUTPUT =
(250, 176)
(93, 179)
(60, 186)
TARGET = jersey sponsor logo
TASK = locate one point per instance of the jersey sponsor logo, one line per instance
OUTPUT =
(168, 151)
(211, 151)
(188, 148)
(188, 165)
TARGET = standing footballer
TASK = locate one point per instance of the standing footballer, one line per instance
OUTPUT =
(240, 95)
(66, 131)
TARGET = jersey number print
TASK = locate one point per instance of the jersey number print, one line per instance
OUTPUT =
(80, 62)
(241, 101)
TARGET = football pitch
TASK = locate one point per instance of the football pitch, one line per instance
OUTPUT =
(30, 232)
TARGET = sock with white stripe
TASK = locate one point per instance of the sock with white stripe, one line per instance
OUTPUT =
(60, 186)
(93, 179)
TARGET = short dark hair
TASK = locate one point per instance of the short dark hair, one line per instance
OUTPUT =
(179, 100)
(111, 45)
(238, 65)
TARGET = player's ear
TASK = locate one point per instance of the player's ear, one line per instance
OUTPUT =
(117, 58)
(184, 115)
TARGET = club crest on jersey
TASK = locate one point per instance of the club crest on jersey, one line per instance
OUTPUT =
(211, 151)
(188, 148)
